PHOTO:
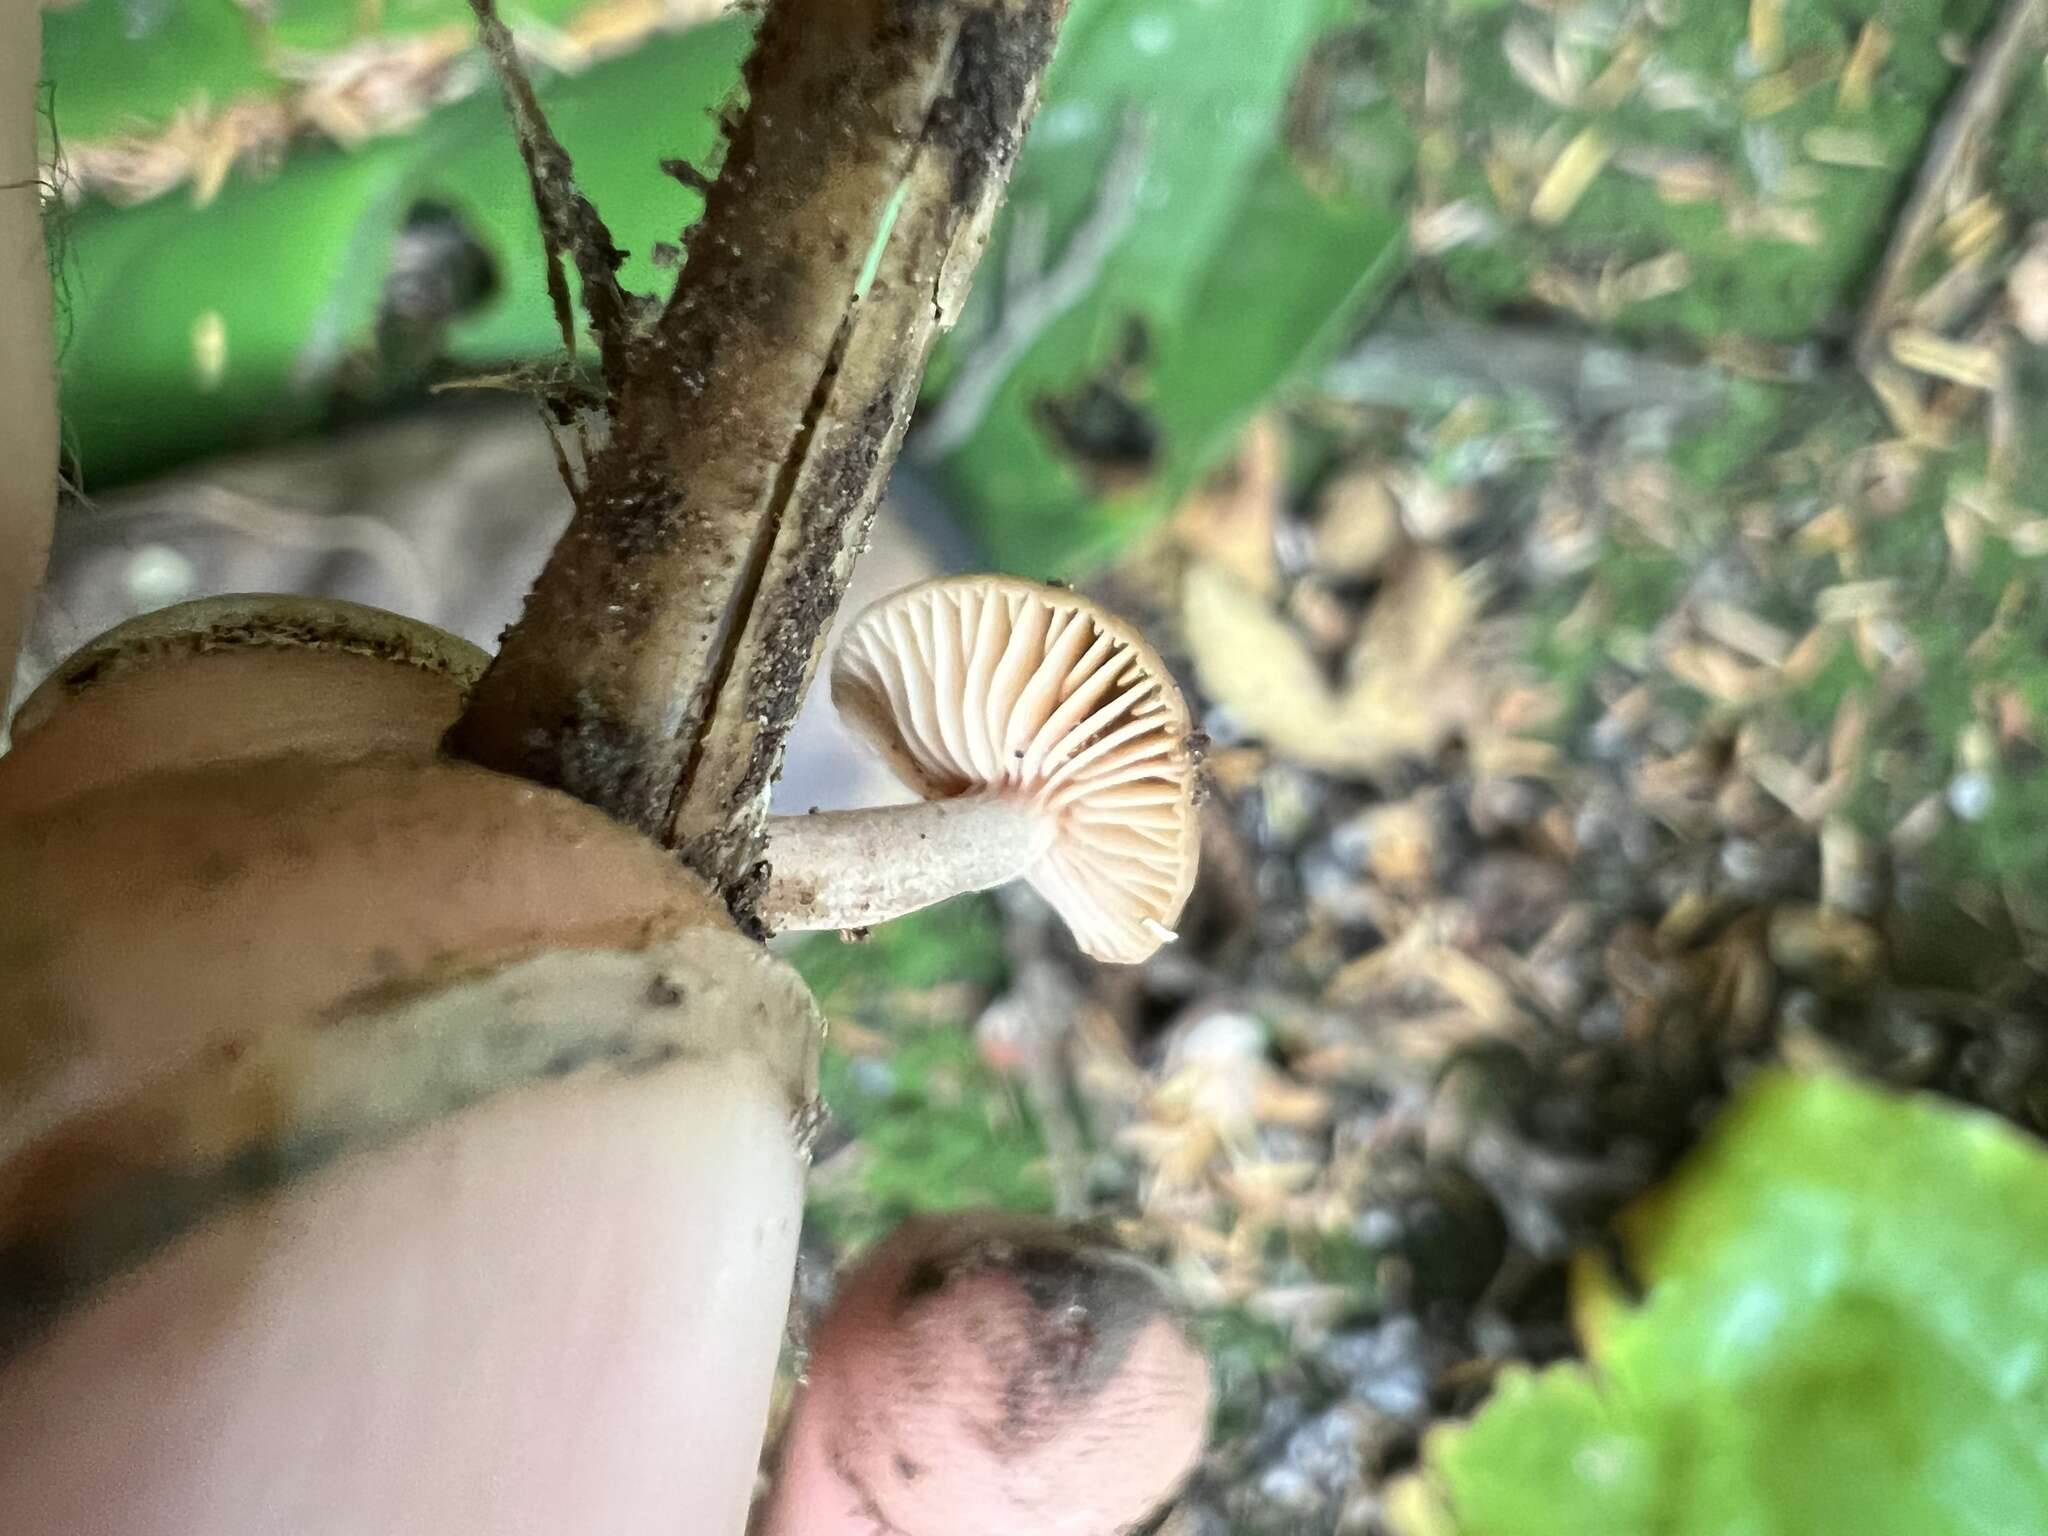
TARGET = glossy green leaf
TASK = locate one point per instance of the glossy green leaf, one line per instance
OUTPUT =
(197, 329)
(1228, 275)
(183, 331)
(119, 67)
(132, 66)
(192, 329)
(1844, 1329)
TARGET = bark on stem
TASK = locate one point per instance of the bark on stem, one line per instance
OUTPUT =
(853, 869)
(665, 649)
(569, 225)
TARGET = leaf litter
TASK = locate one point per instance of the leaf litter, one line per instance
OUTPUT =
(1563, 777)
(1611, 691)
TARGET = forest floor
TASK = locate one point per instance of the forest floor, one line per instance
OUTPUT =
(1627, 666)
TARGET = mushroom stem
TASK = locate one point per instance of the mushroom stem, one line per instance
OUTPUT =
(852, 869)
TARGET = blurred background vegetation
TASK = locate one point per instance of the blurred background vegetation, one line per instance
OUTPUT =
(1622, 681)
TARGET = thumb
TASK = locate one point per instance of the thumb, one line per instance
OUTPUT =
(386, 1146)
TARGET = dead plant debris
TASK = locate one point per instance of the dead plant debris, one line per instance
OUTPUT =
(1593, 722)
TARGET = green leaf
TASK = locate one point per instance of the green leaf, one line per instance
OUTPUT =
(1229, 277)
(198, 329)
(119, 67)
(1845, 1329)
(189, 330)
(132, 66)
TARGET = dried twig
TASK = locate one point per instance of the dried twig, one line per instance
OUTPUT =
(1964, 130)
(665, 648)
(568, 221)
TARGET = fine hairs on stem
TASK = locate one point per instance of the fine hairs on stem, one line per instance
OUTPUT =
(665, 649)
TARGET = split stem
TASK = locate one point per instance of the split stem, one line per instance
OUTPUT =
(665, 649)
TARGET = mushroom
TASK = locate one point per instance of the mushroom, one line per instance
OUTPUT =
(990, 1373)
(1047, 742)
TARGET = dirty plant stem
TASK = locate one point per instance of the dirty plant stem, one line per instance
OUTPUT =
(751, 421)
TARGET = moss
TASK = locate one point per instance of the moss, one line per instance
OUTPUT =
(1633, 589)
(1243, 1352)
(1816, 705)
(961, 941)
(938, 1129)
(1753, 416)
(1642, 586)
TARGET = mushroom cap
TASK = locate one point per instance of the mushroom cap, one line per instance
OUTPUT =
(973, 684)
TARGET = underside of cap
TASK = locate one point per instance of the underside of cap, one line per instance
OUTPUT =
(995, 684)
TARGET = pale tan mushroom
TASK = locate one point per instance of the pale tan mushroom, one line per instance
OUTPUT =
(1048, 742)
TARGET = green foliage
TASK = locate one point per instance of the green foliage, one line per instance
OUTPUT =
(1751, 414)
(1977, 629)
(1242, 1352)
(197, 328)
(1845, 1303)
(1638, 587)
(1978, 634)
(125, 67)
(938, 1131)
(1232, 272)
(114, 77)
(190, 329)
(959, 941)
